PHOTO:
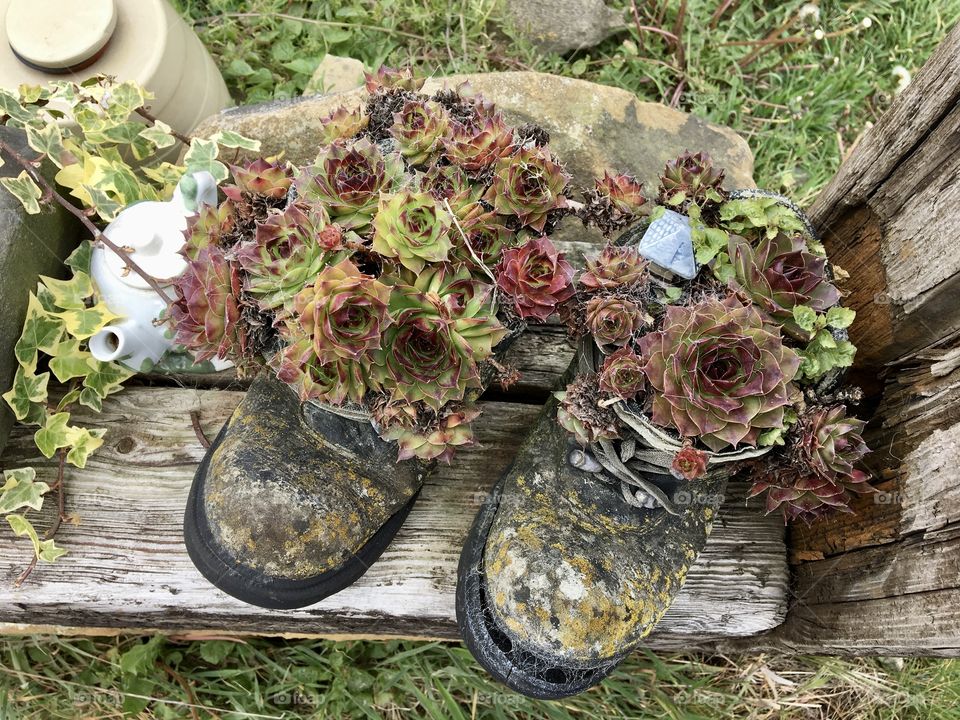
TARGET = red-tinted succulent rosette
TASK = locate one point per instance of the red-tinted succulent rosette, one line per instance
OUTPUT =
(536, 277)
(528, 185)
(621, 374)
(718, 373)
(778, 274)
(206, 313)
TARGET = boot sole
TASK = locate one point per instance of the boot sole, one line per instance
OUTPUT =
(266, 591)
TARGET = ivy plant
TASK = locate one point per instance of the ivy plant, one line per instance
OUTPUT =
(109, 152)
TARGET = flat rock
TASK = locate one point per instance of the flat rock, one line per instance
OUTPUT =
(559, 26)
(335, 74)
(592, 127)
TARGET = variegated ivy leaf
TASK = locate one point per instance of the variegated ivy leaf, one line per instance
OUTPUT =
(70, 360)
(24, 189)
(41, 332)
(202, 155)
(27, 391)
(230, 139)
(102, 380)
(70, 294)
(48, 140)
(10, 106)
(21, 490)
(160, 135)
(56, 434)
(79, 259)
(84, 444)
(44, 549)
(86, 322)
(29, 94)
(123, 99)
(166, 175)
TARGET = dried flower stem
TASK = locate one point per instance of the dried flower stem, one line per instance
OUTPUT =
(52, 194)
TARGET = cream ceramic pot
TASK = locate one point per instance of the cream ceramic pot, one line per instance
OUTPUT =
(155, 232)
(140, 40)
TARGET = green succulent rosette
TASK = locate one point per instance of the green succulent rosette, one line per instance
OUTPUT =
(413, 228)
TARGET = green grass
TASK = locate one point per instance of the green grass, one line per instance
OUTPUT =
(801, 105)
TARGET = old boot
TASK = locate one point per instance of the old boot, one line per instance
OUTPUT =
(574, 558)
(293, 503)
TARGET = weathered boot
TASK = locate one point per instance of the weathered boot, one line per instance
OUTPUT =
(293, 503)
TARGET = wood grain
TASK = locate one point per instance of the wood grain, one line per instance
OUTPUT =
(127, 568)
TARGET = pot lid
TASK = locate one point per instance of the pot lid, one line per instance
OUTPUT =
(154, 233)
(59, 34)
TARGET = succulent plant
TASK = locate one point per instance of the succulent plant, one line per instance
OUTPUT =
(718, 374)
(285, 254)
(778, 275)
(621, 374)
(691, 178)
(819, 473)
(689, 463)
(418, 129)
(260, 178)
(387, 78)
(348, 180)
(475, 146)
(334, 382)
(342, 124)
(433, 438)
(413, 228)
(615, 267)
(206, 313)
(210, 226)
(450, 184)
(344, 313)
(581, 413)
(443, 326)
(614, 201)
(613, 320)
(528, 185)
(487, 236)
(536, 277)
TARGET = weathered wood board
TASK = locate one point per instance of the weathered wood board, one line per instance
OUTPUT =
(127, 568)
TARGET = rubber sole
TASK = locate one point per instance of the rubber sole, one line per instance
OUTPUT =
(528, 673)
(256, 588)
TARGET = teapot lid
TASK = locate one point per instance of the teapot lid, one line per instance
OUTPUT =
(153, 232)
(59, 35)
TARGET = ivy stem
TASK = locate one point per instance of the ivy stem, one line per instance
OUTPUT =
(98, 236)
(152, 119)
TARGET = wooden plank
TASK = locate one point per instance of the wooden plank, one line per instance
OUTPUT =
(890, 215)
(127, 568)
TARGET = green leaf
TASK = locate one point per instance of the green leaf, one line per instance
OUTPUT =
(106, 378)
(56, 434)
(21, 490)
(27, 390)
(773, 436)
(70, 360)
(805, 317)
(79, 259)
(70, 294)
(24, 189)
(231, 139)
(840, 317)
(672, 293)
(141, 657)
(160, 135)
(86, 442)
(45, 549)
(216, 651)
(202, 155)
(49, 141)
(239, 67)
(87, 322)
(41, 333)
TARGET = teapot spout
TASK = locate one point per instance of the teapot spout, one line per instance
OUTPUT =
(127, 342)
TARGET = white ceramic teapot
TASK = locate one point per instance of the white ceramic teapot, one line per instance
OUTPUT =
(155, 232)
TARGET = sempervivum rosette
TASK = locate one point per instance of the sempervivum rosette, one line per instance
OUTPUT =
(737, 366)
(347, 179)
(206, 313)
(718, 373)
(378, 280)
